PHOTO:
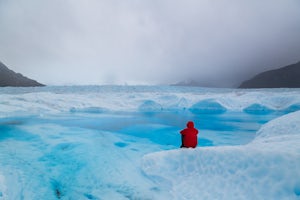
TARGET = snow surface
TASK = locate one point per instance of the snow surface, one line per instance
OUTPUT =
(121, 142)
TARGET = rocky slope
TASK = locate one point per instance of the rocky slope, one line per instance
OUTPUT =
(10, 78)
(285, 77)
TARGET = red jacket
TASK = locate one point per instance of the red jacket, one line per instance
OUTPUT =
(189, 135)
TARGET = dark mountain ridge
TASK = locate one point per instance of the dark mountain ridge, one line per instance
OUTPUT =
(285, 77)
(10, 78)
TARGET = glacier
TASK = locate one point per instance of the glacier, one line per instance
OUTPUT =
(121, 142)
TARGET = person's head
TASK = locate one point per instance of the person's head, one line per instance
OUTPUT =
(190, 124)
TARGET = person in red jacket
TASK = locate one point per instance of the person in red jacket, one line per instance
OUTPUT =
(189, 136)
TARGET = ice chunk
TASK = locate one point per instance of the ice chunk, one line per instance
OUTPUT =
(207, 106)
(292, 108)
(258, 109)
(150, 106)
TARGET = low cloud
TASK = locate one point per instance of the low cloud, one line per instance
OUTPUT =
(149, 42)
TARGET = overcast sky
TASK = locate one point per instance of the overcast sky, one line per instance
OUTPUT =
(222, 42)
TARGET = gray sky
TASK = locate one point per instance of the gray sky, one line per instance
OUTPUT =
(148, 41)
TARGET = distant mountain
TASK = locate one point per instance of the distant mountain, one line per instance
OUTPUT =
(285, 77)
(194, 83)
(10, 78)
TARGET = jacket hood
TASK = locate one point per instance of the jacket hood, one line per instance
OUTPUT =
(190, 124)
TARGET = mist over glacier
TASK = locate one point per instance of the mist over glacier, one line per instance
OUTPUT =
(148, 42)
(121, 142)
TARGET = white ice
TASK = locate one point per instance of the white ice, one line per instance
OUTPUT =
(267, 168)
(143, 98)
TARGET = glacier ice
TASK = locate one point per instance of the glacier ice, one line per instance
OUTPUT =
(121, 142)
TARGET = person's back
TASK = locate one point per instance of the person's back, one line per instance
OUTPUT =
(189, 136)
